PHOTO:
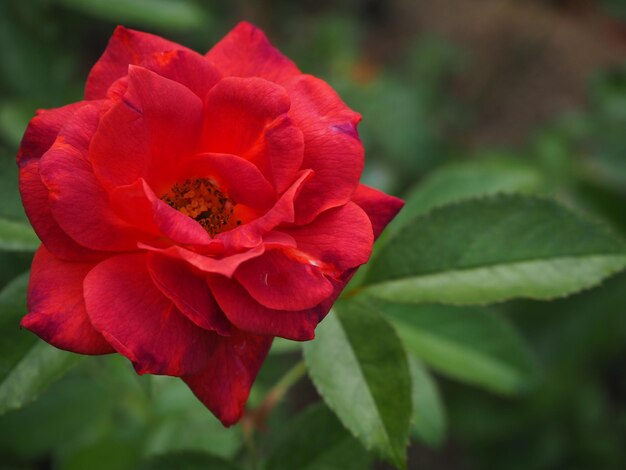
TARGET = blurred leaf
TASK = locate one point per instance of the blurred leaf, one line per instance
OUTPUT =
(11, 207)
(119, 453)
(282, 346)
(316, 440)
(469, 343)
(358, 365)
(27, 366)
(15, 236)
(462, 181)
(71, 410)
(183, 424)
(41, 366)
(494, 249)
(187, 461)
(166, 14)
(15, 342)
(14, 116)
(429, 421)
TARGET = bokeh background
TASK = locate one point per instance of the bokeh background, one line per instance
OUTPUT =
(535, 85)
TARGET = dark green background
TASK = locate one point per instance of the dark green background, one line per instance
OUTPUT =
(537, 82)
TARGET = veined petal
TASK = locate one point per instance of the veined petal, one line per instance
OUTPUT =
(223, 385)
(279, 282)
(57, 308)
(141, 323)
(331, 146)
(246, 52)
(341, 237)
(148, 133)
(189, 292)
(126, 47)
(379, 207)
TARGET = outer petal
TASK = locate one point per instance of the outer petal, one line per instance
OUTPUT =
(39, 136)
(341, 237)
(186, 67)
(147, 134)
(246, 52)
(331, 146)
(140, 322)
(282, 283)
(77, 201)
(379, 207)
(42, 131)
(126, 47)
(57, 308)
(224, 384)
(189, 292)
(35, 199)
(248, 315)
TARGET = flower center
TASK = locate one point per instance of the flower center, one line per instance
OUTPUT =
(202, 200)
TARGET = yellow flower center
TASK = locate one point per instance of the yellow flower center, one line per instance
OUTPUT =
(202, 200)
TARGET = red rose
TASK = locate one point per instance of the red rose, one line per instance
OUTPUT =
(193, 207)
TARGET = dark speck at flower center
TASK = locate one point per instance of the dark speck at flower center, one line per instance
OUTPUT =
(202, 200)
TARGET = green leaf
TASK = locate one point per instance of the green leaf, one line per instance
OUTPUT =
(316, 440)
(470, 344)
(429, 421)
(467, 180)
(494, 249)
(167, 14)
(36, 371)
(359, 366)
(15, 236)
(27, 366)
(15, 342)
(188, 461)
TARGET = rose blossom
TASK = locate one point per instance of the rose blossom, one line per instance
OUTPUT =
(193, 207)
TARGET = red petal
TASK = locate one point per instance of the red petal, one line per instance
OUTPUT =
(240, 179)
(35, 199)
(39, 136)
(140, 322)
(57, 308)
(42, 131)
(331, 146)
(78, 203)
(225, 266)
(379, 207)
(137, 203)
(155, 126)
(248, 315)
(251, 234)
(279, 282)
(341, 237)
(246, 52)
(186, 67)
(279, 153)
(126, 47)
(238, 111)
(224, 384)
(189, 292)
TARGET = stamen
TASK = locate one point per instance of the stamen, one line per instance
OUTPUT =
(202, 200)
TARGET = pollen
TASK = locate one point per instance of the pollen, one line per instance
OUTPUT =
(202, 200)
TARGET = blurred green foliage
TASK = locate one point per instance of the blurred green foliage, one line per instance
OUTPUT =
(415, 130)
